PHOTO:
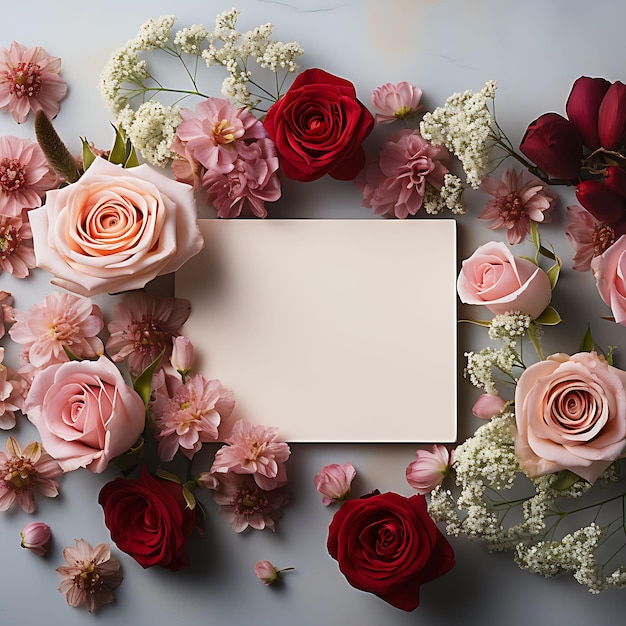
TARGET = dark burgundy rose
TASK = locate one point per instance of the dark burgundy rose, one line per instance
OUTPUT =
(318, 127)
(602, 202)
(148, 519)
(583, 106)
(615, 179)
(612, 117)
(388, 545)
(555, 145)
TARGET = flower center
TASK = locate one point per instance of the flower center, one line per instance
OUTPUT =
(9, 240)
(247, 502)
(89, 579)
(510, 209)
(24, 80)
(225, 133)
(150, 336)
(20, 475)
(602, 237)
(12, 175)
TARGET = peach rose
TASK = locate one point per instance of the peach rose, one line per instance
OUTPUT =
(570, 414)
(85, 413)
(493, 277)
(115, 229)
(609, 270)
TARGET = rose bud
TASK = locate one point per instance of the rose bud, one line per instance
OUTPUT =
(36, 537)
(583, 105)
(267, 573)
(601, 201)
(487, 406)
(555, 145)
(182, 354)
(612, 117)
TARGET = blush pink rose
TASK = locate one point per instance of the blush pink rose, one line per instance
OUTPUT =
(609, 270)
(85, 413)
(493, 277)
(115, 229)
(571, 414)
(487, 406)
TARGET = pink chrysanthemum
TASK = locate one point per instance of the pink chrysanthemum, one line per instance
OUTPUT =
(254, 450)
(11, 398)
(516, 201)
(395, 184)
(62, 321)
(395, 102)
(25, 175)
(143, 327)
(589, 237)
(90, 575)
(29, 80)
(187, 414)
(429, 468)
(17, 255)
(246, 504)
(24, 473)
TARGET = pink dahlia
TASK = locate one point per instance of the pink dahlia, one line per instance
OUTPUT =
(63, 321)
(589, 236)
(187, 414)
(24, 473)
(25, 175)
(144, 326)
(11, 398)
(90, 575)
(516, 201)
(395, 102)
(429, 468)
(254, 450)
(29, 80)
(17, 255)
(395, 184)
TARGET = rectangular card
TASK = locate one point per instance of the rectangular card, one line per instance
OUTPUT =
(331, 330)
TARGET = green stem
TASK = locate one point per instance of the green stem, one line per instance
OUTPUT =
(533, 335)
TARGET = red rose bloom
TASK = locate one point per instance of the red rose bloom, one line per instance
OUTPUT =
(148, 519)
(318, 127)
(388, 545)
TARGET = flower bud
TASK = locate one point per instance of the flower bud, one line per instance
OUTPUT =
(267, 573)
(612, 117)
(487, 406)
(615, 179)
(208, 481)
(555, 145)
(182, 354)
(333, 482)
(429, 468)
(36, 537)
(602, 202)
(583, 106)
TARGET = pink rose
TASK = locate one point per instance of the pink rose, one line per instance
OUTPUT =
(493, 277)
(609, 270)
(570, 414)
(115, 229)
(85, 413)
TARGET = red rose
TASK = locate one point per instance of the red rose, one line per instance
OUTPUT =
(148, 519)
(318, 127)
(388, 545)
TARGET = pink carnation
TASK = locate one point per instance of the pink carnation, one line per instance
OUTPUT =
(29, 80)
(395, 184)
(395, 102)
(429, 468)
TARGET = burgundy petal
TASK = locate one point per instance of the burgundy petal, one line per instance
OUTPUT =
(583, 105)
(602, 202)
(612, 117)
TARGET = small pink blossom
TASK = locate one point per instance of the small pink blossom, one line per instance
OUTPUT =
(252, 181)
(29, 80)
(142, 327)
(395, 184)
(429, 468)
(333, 482)
(395, 102)
(90, 575)
(16, 246)
(254, 449)
(7, 312)
(517, 200)
(36, 537)
(267, 573)
(589, 236)
(246, 504)
(25, 175)
(187, 414)
(487, 406)
(212, 132)
(24, 473)
(11, 395)
(182, 355)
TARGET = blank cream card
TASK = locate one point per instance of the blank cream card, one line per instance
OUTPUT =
(331, 330)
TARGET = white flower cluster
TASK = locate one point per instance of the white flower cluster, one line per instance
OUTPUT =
(464, 126)
(509, 326)
(450, 196)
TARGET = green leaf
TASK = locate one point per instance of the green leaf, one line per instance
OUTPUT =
(189, 498)
(528, 258)
(564, 480)
(165, 475)
(143, 382)
(534, 233)
(131, 160)
(70, 355)
(609, 356)
(586, 344)
(477, 322)
(88, 155)
(553, 274)
(550, 317)
(118, 152)
(128, 461)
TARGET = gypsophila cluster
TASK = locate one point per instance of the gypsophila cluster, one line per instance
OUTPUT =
(481, 366)
(509, 326)
(464, 126)
(450, 196)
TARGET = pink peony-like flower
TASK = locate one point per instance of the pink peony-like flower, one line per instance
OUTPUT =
(7, 312)
(11, 400)
(85, 413)
(487, 406)
(62, 321)
(395, 184)
(333, 482)
(211, 133)
(29, 80)
(90, 575)
(25, 175)
(429, 468)
(395, 102)
(570, 413)
(252, 181)
(518, 199)
(142, 327)
(23, 473)
(115, 229)
(246, 504)
(254, 449)
(36, 537)
(187, 414)
(16, 246)
(588, 236)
